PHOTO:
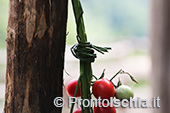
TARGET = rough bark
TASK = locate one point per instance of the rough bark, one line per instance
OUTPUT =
(36, 35)
(161, 53)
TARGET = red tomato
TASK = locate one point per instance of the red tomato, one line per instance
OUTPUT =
(102, 109)
(78, 111)
(71, 88)
(103, 88)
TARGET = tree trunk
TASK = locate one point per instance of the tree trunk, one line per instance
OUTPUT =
(36, 35)
(161, 53)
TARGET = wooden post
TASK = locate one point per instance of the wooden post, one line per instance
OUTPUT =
(160, 34)
(36, 35)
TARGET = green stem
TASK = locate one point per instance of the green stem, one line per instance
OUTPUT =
(72, 106)
(85, 67)
(85, 72)
(116, 74)
(122, 72)
(78, 13)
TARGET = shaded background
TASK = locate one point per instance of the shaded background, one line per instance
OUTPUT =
(124, 26)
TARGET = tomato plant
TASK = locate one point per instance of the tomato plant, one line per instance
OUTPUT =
(85, 52)
(124, 92)
(71, 88)
(103, 88)
(103, 109)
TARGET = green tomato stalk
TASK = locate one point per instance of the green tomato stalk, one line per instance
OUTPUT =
(84, 51)
(85, 67)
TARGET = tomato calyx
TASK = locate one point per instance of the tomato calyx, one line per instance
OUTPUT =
(119, 82)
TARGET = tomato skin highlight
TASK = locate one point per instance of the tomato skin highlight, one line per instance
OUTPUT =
(103, 88)
(71, 88)
(104, 109)
(78, 110)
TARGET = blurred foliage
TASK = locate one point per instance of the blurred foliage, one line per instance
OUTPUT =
(112, 20)
(143, 82)
(106, 21)
(138, 52)
(3, 21)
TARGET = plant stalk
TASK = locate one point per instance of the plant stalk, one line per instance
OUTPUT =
(85, 67)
